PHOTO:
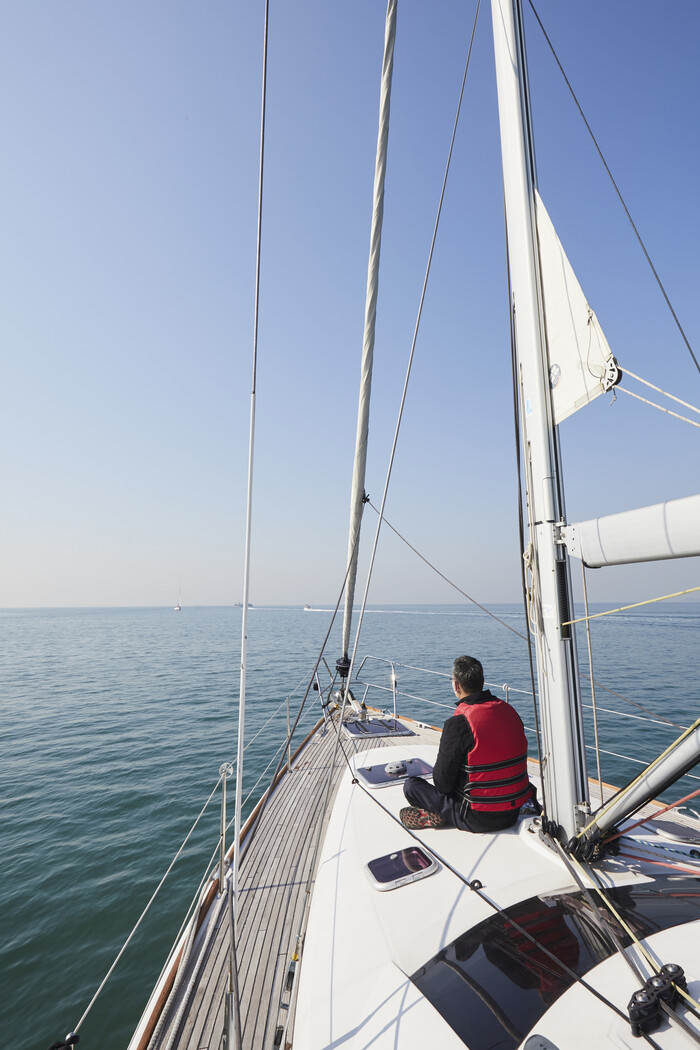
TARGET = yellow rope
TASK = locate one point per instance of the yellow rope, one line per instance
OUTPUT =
(635, 605)
(635, 940)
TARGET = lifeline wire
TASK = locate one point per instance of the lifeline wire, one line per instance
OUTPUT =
(254, 826)
(143, 913)
(413, 347)
(617, 191)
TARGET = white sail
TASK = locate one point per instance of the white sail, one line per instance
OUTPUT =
(581, 363)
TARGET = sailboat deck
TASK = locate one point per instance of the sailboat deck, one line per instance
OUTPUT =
(276, 865)
(274, 872)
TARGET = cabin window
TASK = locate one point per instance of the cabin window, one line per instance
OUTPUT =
(492, 985)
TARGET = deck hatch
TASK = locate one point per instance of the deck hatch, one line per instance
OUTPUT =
(377, 775)
(400, 868)
(376, 727)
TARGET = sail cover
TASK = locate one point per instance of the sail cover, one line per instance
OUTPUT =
(581, 364)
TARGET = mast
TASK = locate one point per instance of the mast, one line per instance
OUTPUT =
(564, 769)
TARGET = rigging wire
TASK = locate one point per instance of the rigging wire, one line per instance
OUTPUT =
(413, 345)
(447, 579)
(251, 451)
(617, 190)
(233, 1035)
(592, 681)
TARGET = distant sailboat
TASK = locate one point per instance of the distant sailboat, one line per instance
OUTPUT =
(178, 607)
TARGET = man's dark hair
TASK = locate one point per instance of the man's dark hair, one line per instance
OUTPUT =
(468, 673)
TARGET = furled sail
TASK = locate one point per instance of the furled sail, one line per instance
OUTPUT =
(664, 530)
(581, 362)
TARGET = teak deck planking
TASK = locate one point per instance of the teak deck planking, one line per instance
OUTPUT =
(274, 872)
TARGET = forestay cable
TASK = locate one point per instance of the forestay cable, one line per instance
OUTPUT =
(358, 477)
(380, 512)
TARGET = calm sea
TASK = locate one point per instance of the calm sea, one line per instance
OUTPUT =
(117, 720)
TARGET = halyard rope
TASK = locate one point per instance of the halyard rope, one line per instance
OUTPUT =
(660, 391)
(653, 816)
(646, 401)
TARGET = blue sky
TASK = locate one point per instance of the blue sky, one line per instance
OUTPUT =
(130, 139)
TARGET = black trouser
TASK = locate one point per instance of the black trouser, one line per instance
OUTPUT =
(424, 795)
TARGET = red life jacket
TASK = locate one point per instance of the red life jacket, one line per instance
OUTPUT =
(496, 767)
